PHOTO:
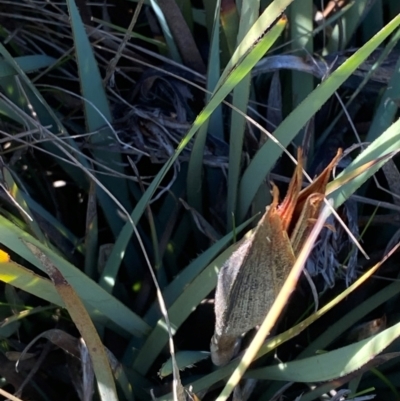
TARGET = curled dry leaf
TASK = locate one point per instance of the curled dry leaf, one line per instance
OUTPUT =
(252, 277)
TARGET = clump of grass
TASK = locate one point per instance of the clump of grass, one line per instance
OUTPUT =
(128, 148)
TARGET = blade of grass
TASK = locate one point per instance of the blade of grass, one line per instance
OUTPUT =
(27, 64)
(220, 374)
(384, 53)
(252, 55)
(16, 275)
(240, 100)
(348, 320)
(193, 294)
(347, 25)
(387, 143)
(169, 39)
(266, 157)
(90, 79)
(91, 235)
(184, 359)
(373, 20)
(187, 275)
(98, 117)
(301, 32)
(181, 34)
(26, 280)
(330, 365)
(229, 27)
(44, 114)
(90, 292)
(25, 313)
(154, 42)
(8, 112)
(48, 222)
(388, 105)
(19, 198)
(79, 315)
(214, 124)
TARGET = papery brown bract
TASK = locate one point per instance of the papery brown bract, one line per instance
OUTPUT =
(249, 281)
(252, 277)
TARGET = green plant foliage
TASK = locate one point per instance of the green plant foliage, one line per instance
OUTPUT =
(121, 152)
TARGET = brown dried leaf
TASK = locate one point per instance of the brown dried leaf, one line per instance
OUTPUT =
(81, 318)
(252, 277)
(249, 282)
(317, 186)
(289, 204)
